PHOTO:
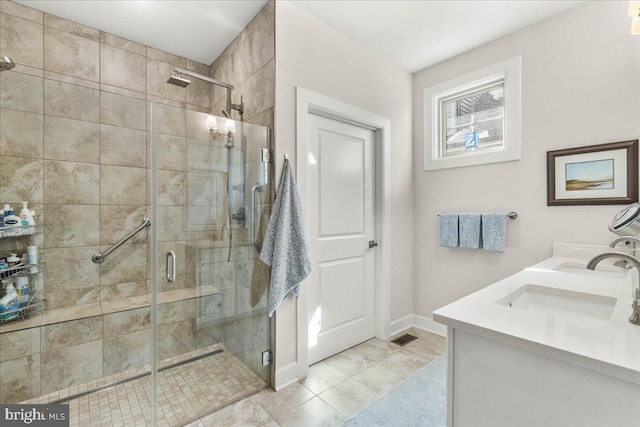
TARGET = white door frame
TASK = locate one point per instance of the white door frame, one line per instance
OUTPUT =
(308, 102)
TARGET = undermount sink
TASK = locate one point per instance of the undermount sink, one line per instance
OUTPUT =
(601, 270)
(559, 302)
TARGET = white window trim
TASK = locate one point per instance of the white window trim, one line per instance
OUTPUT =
(510, 71)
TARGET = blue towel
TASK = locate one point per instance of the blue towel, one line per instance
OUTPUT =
(470, 231)
(494, 232)
(285, 247)
(449, 230)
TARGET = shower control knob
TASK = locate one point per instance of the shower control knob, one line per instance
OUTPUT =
(372, 244)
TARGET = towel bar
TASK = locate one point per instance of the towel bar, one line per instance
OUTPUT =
(511, 215)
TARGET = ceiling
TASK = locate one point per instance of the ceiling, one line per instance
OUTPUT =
(412, 34)
(198, 30)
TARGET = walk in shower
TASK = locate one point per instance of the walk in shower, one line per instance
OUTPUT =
(135, 322)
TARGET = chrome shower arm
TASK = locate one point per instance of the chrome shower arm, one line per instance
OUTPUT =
(201, 77)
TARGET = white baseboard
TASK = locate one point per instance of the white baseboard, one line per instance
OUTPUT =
(286, 376)
(400, 325)
(429, 325)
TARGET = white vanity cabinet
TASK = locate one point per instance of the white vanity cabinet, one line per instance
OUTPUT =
(552, 360)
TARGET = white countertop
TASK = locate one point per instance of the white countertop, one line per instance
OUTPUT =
(609, 346)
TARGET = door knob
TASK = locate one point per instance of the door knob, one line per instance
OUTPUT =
(372, 244)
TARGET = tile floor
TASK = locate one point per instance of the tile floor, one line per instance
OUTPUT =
(185, 392)
(335, 388)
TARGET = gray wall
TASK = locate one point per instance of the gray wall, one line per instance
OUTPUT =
(580, 86)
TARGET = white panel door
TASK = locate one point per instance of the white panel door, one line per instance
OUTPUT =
(340, 188)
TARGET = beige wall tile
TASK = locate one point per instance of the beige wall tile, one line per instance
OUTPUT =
(72, 298)
(120, 43)
(122, 352)
(21, 40)
(71, 101)
(71, 140)
(157, 75)
(71, 365)
(121, 185)
(203, 189)
(170, 188)
(73, 269)
(124, 111)
(262, 43)
(123, 290)
(167, 57)
(243, 61)
(123, 69)
(14, 345)
(262, 84)
(71, 225)
(71, 182)
(170, 120)
(21, 179)
(116, 221)
(20, 133)
(72, 55)
(176, 338)
(20, 379)
(127, 321)
(21, 11)
(122, 91)
(21, 92)
(126, 264)
(66, 334)
(170, 220)
(197, 127)
(123, 146)
(177, 311)
(71, 27)
(50, 75)
(198, 93)
(170, 152)
(198, 67)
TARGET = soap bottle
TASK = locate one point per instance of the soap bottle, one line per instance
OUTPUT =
(9, 301)
(13, 260)
(26, 218)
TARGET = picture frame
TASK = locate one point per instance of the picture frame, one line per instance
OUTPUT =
(603, 174)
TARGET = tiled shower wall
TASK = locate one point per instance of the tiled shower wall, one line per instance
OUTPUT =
(74, 143)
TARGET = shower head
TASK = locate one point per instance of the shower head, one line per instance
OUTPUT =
(6, 63)
(178, 80)
(226, 114)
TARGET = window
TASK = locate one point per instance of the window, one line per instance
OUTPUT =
(474, 119)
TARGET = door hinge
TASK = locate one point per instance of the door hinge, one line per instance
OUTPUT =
(266, 358)
(266, 155)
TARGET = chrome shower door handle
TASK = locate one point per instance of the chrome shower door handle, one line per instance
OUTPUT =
(171, 266)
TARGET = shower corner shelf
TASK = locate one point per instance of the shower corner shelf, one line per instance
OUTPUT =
(22, 231)
(34, 307)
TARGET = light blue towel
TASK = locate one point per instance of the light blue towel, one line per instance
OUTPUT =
(494, 232)
(285, 247)
(449, 230)
(470, 231)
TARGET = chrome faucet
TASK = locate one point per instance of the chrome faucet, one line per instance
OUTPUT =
(631, 242)
(591, 265)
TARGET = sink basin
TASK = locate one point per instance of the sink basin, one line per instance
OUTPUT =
(559, 302)
(601, 270)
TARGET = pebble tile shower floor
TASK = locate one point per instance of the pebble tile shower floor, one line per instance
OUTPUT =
(185, 392)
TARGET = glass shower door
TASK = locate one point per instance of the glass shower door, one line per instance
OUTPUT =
(211, 198)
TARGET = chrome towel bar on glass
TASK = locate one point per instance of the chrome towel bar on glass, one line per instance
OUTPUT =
(511, 215)
(99, 257)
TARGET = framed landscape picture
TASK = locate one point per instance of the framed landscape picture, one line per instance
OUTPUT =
(604, 174)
